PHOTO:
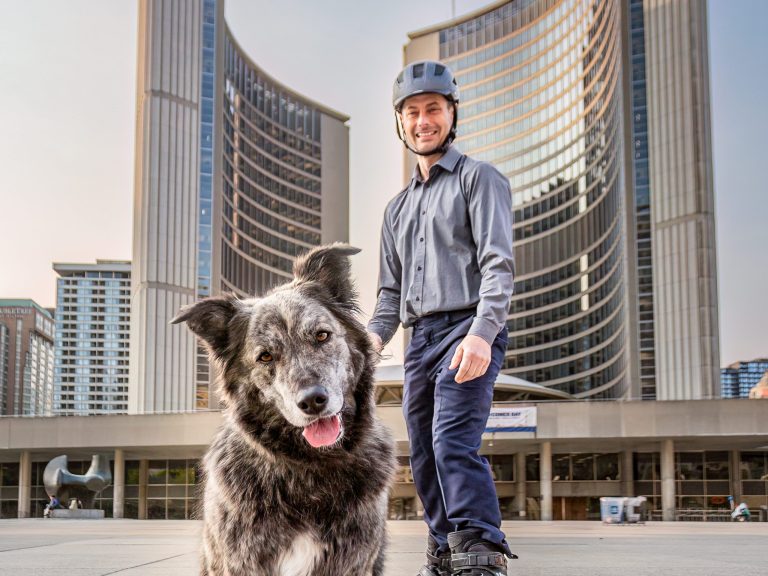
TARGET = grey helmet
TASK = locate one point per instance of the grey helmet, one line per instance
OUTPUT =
(424, 77)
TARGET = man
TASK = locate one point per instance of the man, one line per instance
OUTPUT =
(447, 270)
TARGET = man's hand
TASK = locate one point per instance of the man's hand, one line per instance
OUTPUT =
(473, 356)
(376, 342)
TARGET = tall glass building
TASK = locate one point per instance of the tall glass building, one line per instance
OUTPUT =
(235, 175)
(93, 314)
(26, 358)
(565, 97)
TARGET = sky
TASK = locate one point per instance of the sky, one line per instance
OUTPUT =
(68, 104)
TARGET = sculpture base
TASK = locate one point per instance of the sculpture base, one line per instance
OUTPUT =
(79, 514)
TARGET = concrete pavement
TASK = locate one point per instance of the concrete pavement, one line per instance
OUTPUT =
(170, 548)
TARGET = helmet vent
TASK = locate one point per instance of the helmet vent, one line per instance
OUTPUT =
(439, 70)
(418, 70)
(400, 78)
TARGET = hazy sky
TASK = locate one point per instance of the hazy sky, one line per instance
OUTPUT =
(67, 106)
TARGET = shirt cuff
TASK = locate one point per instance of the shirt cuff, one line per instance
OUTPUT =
(383, 333)
(486, 329)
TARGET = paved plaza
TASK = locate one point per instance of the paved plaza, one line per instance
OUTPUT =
(169, 548)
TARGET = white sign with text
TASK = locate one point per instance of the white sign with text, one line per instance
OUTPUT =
(512, 419)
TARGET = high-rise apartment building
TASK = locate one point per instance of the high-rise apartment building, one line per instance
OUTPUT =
(598, 112)
(93, 314)
(235, 175)
(26, 358)
(741, 377)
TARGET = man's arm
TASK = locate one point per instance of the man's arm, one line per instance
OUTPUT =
(386, 316)
(490, 211)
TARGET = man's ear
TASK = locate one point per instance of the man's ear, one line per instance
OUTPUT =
(209, 319)
(329, 266)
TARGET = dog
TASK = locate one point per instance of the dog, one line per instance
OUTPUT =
(296, 482)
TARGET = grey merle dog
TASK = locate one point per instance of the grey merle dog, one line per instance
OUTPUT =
(297, 480)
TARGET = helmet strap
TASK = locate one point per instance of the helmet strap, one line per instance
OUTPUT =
(442, 148)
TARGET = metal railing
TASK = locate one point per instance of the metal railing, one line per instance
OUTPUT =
(695, 515)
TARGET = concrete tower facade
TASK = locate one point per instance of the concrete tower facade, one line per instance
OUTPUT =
(682, 200)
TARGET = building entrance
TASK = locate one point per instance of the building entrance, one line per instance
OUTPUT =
(576, 508)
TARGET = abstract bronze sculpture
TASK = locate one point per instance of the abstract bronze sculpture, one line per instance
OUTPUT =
(62, 484)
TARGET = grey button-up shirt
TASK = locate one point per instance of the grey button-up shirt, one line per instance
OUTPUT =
(446, 244)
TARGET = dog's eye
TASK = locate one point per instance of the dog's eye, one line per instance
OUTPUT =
(265, 357)
(322, 336)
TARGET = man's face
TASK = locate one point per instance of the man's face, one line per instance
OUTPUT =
(427, 120)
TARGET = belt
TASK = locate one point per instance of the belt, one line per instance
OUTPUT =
(445, 317)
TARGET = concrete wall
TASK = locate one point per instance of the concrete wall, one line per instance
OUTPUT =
(334, 135)
(169, 432)
(569, 426)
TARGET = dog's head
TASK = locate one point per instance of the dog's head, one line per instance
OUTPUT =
(291, 363)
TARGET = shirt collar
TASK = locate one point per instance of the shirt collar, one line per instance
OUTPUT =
(448, 162)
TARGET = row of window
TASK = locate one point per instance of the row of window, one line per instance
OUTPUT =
(537, 128)
(245, 277)
(250, 132)
(585, 341)
(539, 318)
(564, 76)
(270, 174)
(534, 227)
(270, 99)
(94, 313)
(291, 140)
(276, 208)
(93, 278)
(572, 240)
(594, 274)
(582, 386)
(306, 230)
(571, 70)
(490, 28)
(612, 309)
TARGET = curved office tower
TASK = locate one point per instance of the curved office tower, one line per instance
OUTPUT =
(235, 175)
(540, 85)
(284, 176)
(598, 112)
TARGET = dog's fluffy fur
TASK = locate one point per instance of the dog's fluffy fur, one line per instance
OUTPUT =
(274, 505)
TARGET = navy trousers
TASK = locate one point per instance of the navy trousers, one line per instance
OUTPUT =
(445, 423)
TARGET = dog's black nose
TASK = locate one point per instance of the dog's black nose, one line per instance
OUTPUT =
(313, 400)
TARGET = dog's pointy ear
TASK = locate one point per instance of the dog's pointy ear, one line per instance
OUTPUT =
(209, 319)
(329, 265)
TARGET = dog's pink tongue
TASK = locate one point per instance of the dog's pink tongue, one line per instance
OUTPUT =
(323, 432)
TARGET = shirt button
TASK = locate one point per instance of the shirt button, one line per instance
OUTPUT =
(419, 268)
(417, 298)
(424, 212)
(421, 239)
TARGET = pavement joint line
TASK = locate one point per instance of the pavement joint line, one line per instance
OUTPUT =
(52, 544)
(30, 547)
(147, 563)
